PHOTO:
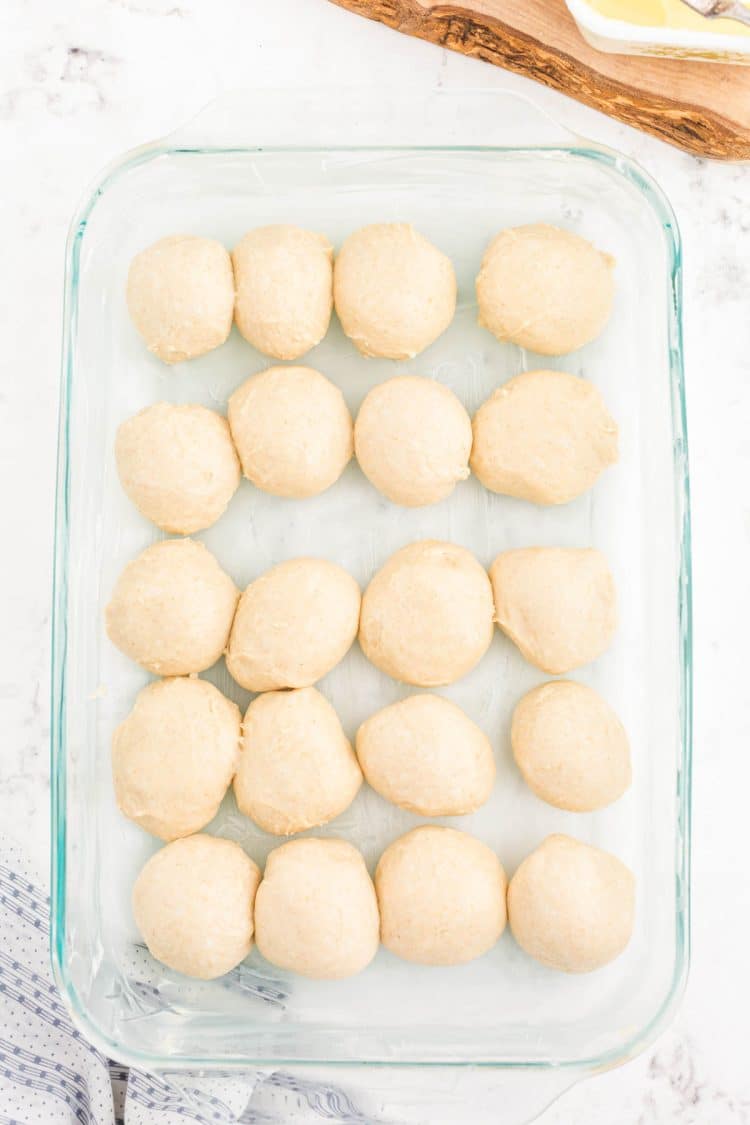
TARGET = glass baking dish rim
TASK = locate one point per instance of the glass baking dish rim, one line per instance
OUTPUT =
(659, 204)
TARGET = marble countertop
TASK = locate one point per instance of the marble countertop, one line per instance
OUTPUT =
(82, 81)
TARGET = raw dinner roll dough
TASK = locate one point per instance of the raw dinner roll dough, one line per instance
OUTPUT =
(180, 296)
(543, 436)
(174, 756)
(412, 440)
(293, 431)
(427, 614)
(297, 769)
(545, 289)
(178, 465)
(316, 913)
(395, 292)
(193, 904)
(427, 756)
(172, 608)
(293, 625)
(558, 604)
(570, 747)
(441, 895)
(284, 281)
(571, 906)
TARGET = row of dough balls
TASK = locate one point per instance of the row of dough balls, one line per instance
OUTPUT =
(293, 768)
(426, 618)
(544, 436)
(540, 287)
(440, 897)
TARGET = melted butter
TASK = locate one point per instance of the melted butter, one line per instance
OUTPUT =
(664, 13)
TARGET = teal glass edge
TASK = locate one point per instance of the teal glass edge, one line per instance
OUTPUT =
(659, 203)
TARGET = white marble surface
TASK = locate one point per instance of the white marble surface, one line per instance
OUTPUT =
(84, 80)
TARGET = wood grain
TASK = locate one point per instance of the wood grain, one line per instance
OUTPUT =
(703, 108)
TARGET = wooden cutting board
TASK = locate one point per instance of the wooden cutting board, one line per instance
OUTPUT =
(701, 107)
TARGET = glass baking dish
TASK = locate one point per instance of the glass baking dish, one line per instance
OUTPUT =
(483, 161)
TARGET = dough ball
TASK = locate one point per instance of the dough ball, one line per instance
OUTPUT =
(545, 289)
(441, 895)
(571, 906)
(178, 465)
(284, 281)
(293, 625)
(174, 756)
(427, 614)
(427, 756)
(558, 604)
(172, 608)
(316, 913)
(297, 769)
(180, 296)
(395, 292)
(193, 904)
(412, 440)
(570, 747)
(293, 431)
(543, 436)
